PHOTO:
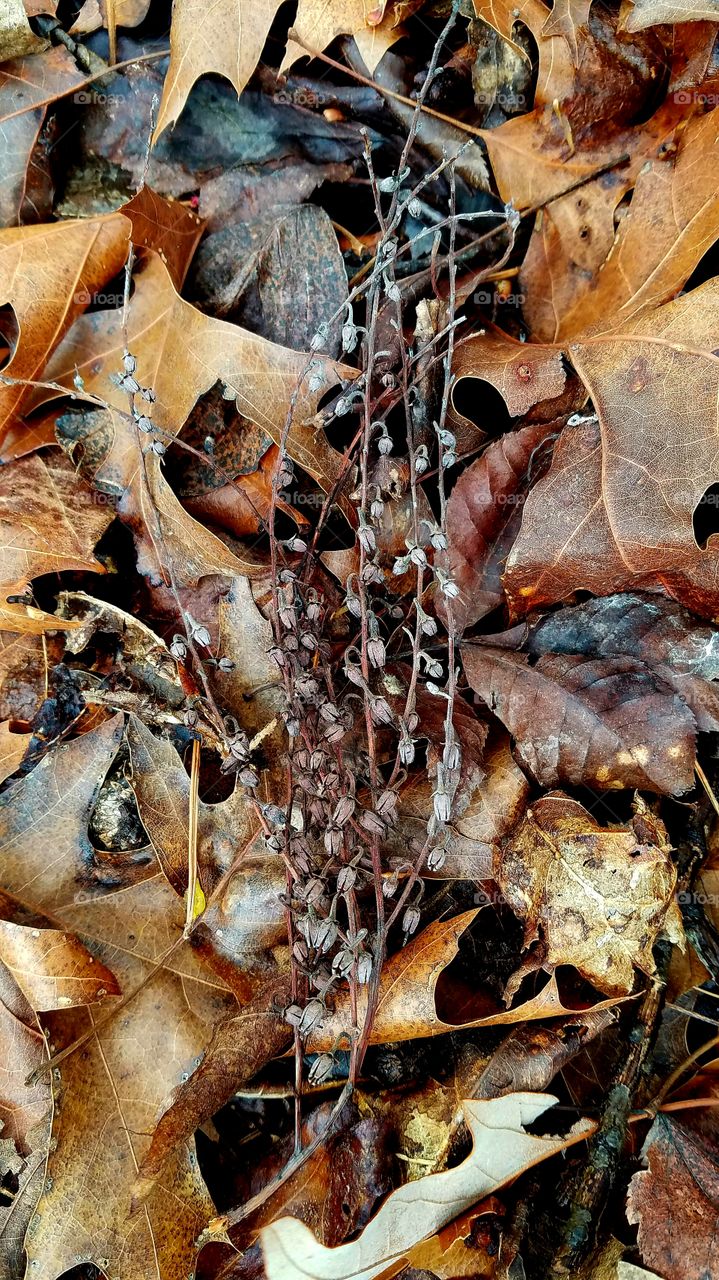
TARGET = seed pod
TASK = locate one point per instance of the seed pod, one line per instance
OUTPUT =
(129, 363)
(442, 806)
(372, 573)
(366, 539)
(334, 732)
(312, 1017)
(376, 652)
(436, 858)
(333, 841)
(130, 384)
(417, 556)
(299, 951)
(249, 778)
(143, 424)
(343, 962)
(178, 648)
(325, 934)
(390, 884)
(452, 756)
(344, 809)
(308, 641)
(226, 664)
(406, 750)
(293, 1015)
(202, 637)
(346, 879)
(314, 611)
(385, 443)
(321, 1069)
(372, 823)
(275, 843)
(353, 604)
(410, 920)
(381, 711)
(296, 544)
(158, 447)
(278, 656)
(364, 968)
(386, 806)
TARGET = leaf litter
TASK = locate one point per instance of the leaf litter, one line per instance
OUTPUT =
(359, 657)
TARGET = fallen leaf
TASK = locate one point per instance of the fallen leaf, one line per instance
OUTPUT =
(165, 225)
(12, 749)
(648, 13)
(596, 898)
(525, 374)
(27, 86)
(246, 920)
(230, 45)
(603, 723)
(116, 1082)
(48, 523)
(675, 1201)
(26, 1111)
(501, 1150)
(406, 1007)
(484, 513)
(650, 628)
(374, 27)
(52, 968)
(16, 36)
(182, 353)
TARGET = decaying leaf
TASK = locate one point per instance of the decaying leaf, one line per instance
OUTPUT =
(502, 1150)
(606, 722)
(130, 926)
(596, 898)
(676, 1199)
(484, 514)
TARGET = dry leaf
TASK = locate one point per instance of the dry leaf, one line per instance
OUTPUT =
(484, 513)
(406, 1007)
(675, 1202)
(501, 1150)
(48, 523)
(596, 898)
(648, 13)
(12, 749)
(606, 722)
(127, 915)
(52, 969)
(26, 1120)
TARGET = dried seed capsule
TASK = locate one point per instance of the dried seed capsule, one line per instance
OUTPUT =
(343, 962)
(346, 879)
(226, 664)
(376, 652)
(312, 1017)
(344, 809)
(410, 920)
(129, 362)
(381, 711)
(178, 648)
(321, 1069)
(293, 1015)
(364, 968)
(333, 841)
(372, 823)
(436, 858)
(202, 637)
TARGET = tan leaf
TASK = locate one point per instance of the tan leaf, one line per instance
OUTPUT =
(12, 749)
(48, 523)
(373, 25)
(230, 45)
(502, 1149)
(181, 353)
(127, 915)
(52, 968)
(596, 898)
(170, 227)
(48, 275)
(27, 85)
(406, 1007)
(26, 1111)
(245, 919)
(649, 13)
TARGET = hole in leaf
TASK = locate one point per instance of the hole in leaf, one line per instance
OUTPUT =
(705, 518)
(482, 404)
